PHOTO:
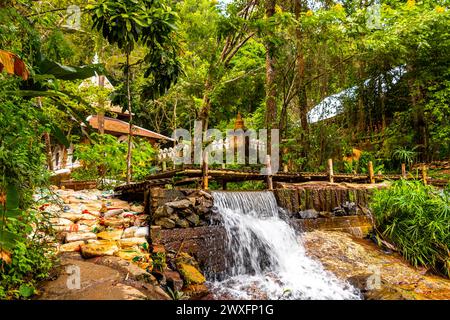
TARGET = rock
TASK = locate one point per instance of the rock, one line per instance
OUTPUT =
(193, 200)
(350, 208)
(74, 217)
(185, 258)
(206, 194)
(180, 204)
(339, 212)
(165, 223)
(174, 280)
(309, 214)
(115, 222)
(141, 232)
(127, 254)
(60, 222)
(113, 212)
(193, 219)
(127, 267)
(129, 232)
(71, 246)
(155, 233)
(190, 274)
(73, 228)
(161, 212)
(91, 250)
(141, 220)
(87, 222)
(324, 214)
(79, 236)
(196, 291)
(137, 208)
(131, 242)
(182, 223)
(110, 235)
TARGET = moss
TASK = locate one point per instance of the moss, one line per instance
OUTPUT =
(190, 274)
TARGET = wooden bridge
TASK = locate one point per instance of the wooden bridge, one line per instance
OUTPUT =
(191, 175)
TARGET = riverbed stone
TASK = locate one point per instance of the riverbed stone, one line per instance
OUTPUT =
(71, 246)
(174, 280)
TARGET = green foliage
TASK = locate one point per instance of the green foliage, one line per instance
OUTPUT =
(416, 219)
(176, 295)
(159, 261)
(105, 159)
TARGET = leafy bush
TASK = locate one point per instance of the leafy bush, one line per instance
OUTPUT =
(416, 218)
(25, 255)
(105, 158)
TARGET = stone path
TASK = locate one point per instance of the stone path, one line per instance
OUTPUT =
(96, 282)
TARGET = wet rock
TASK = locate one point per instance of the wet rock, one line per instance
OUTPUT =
(165, 223)
(180, 204)
(339, 212)
(309, 214)
(71, 246)
(173, 280)
(79, 236)
(182, 223)
(110, 235)
(193, 219)
(91, 250)
(350, 208)
(324, 214)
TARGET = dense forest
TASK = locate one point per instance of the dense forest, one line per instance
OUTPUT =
(332, 76)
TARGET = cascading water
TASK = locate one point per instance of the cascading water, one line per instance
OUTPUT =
(267, 260)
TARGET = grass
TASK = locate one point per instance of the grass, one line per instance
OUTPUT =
(416, 219)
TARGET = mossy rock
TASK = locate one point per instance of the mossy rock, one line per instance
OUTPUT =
(190, 274)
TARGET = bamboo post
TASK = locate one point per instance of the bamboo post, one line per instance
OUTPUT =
(403, 170)
(205, 173)
(269, 173)
(371, 175)
(424, 174)
(164, 165)
(285, 168)
(330, 170)
(224, 184)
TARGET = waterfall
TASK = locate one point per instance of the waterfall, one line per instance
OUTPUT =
(266, 257)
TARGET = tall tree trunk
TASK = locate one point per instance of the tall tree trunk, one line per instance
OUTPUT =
(206, 104)
(48, 149)
(302, 94)
(130, 132)
(271, 89)
(101, 107)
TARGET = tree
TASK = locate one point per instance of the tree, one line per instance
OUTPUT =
(127, 23)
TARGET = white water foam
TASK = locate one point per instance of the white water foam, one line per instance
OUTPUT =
(268, 260)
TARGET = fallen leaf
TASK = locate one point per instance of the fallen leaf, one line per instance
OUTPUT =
(12, 64)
